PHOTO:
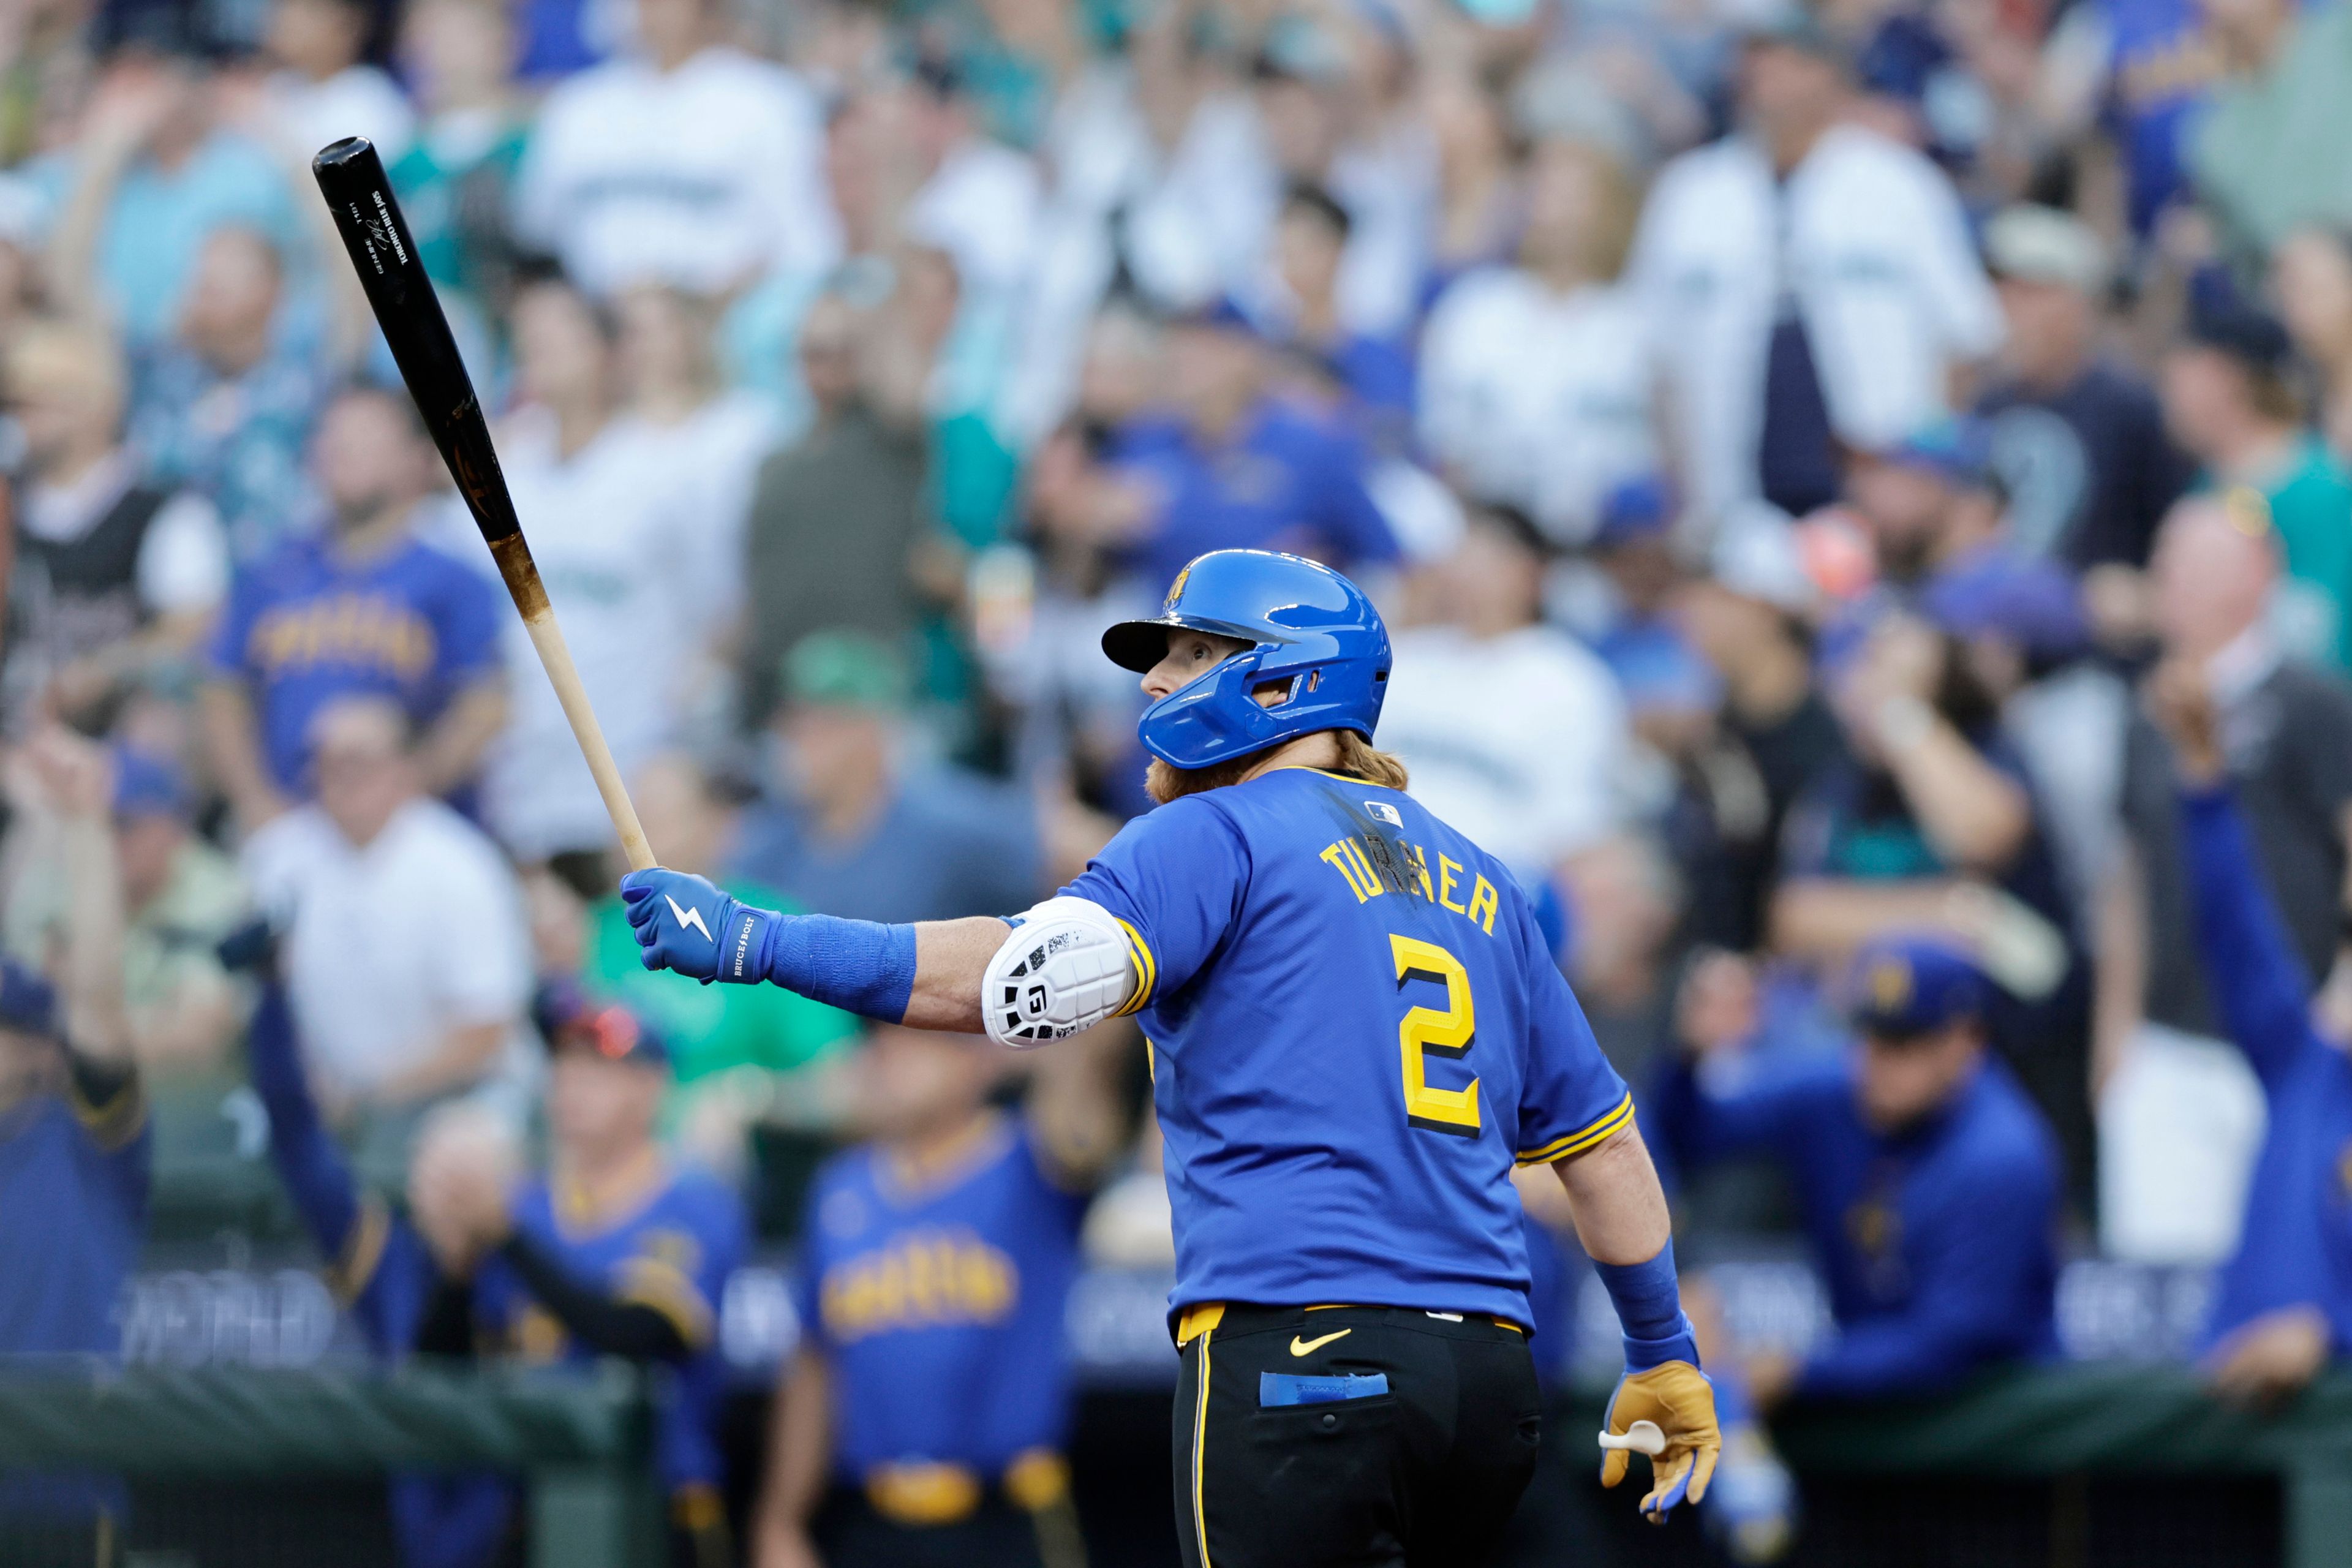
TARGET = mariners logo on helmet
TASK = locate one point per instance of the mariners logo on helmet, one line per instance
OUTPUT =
(1312, 635)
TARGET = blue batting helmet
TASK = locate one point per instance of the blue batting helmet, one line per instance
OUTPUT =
(1310, 631)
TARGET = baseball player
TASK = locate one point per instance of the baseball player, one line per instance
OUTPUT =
(1356, 1032)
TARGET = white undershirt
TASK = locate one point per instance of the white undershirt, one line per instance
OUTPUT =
(182, 565)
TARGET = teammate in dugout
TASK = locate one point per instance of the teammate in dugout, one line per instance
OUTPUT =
(613, 1252)
(1355, 1032)
(924, 1417)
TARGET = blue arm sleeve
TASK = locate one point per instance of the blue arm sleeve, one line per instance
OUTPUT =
(1753, 1113)
(2257, 980)
(307, 1162)
(376, 1264)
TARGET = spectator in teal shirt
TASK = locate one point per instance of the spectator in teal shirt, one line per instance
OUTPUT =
(150, 178)
(2229, 403)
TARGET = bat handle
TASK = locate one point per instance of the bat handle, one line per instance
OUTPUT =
(1640, 1437)
(556, 658)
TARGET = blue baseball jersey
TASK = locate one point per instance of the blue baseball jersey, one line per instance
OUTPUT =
(305, 627)
(938, 1298)
(76, 1180)
(670, 1247)
(1356, 1028)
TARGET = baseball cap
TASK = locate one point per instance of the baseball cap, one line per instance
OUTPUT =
(1636, 510)
(2036, 244)
(846, 668)
(2001, 594)
(566, 1016)
(28, 1002)
(147, 786)
(1910, 984)
(2220, 320)
(1956, 451)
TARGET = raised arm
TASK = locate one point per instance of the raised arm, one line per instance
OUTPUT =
(2257, 980)
(926, 976)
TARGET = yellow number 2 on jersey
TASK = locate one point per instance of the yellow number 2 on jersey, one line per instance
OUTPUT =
(1449, 1034)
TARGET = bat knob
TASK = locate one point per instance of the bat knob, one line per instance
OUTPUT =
(1640, 1437)
(335, 154)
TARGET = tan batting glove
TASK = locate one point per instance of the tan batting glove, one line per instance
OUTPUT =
(1674, 1404)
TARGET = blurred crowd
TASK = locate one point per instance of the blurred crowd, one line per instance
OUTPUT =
(1785, 441)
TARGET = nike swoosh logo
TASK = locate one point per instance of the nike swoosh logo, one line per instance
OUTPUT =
(1301, 1346)
(687, 920)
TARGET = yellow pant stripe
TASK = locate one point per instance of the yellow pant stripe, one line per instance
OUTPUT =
(1201, 1449)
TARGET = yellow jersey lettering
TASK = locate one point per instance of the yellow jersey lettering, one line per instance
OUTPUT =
(1373, 886)
(1483, 903)
(1336, 857)
(1446, 867)
(921, 1279)
(1449, 1033)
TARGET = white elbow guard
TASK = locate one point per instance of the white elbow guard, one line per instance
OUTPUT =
(1066, 967)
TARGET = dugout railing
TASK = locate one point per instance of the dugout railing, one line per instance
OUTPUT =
(580, 1447)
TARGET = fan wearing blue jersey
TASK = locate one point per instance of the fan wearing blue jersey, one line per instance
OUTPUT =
(1357, 1031)
(925, 1417)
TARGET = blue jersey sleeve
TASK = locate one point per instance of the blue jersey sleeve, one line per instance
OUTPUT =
(1572, 1097)
(2257, 980)
(1743, 1109)
(1175, 879)
(466, 625)
(377, 1265)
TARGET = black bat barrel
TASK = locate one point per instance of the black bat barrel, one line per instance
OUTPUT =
(351, 177)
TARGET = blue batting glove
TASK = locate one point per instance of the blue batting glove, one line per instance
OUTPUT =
(685, 923)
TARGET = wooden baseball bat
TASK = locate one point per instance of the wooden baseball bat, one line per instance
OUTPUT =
(351, 176)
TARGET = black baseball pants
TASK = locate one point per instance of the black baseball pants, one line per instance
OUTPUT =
(1351, 1437)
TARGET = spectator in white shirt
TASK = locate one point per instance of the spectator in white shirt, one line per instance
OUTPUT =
(981, 200)
(621, 536)
(1513, 731)
(1811, 283)
(691, 164)
(1539, 384)
(325, 87)
(405, 957)
(714, 436)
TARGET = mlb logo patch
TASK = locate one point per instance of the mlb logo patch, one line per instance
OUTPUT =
(1384, 812)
